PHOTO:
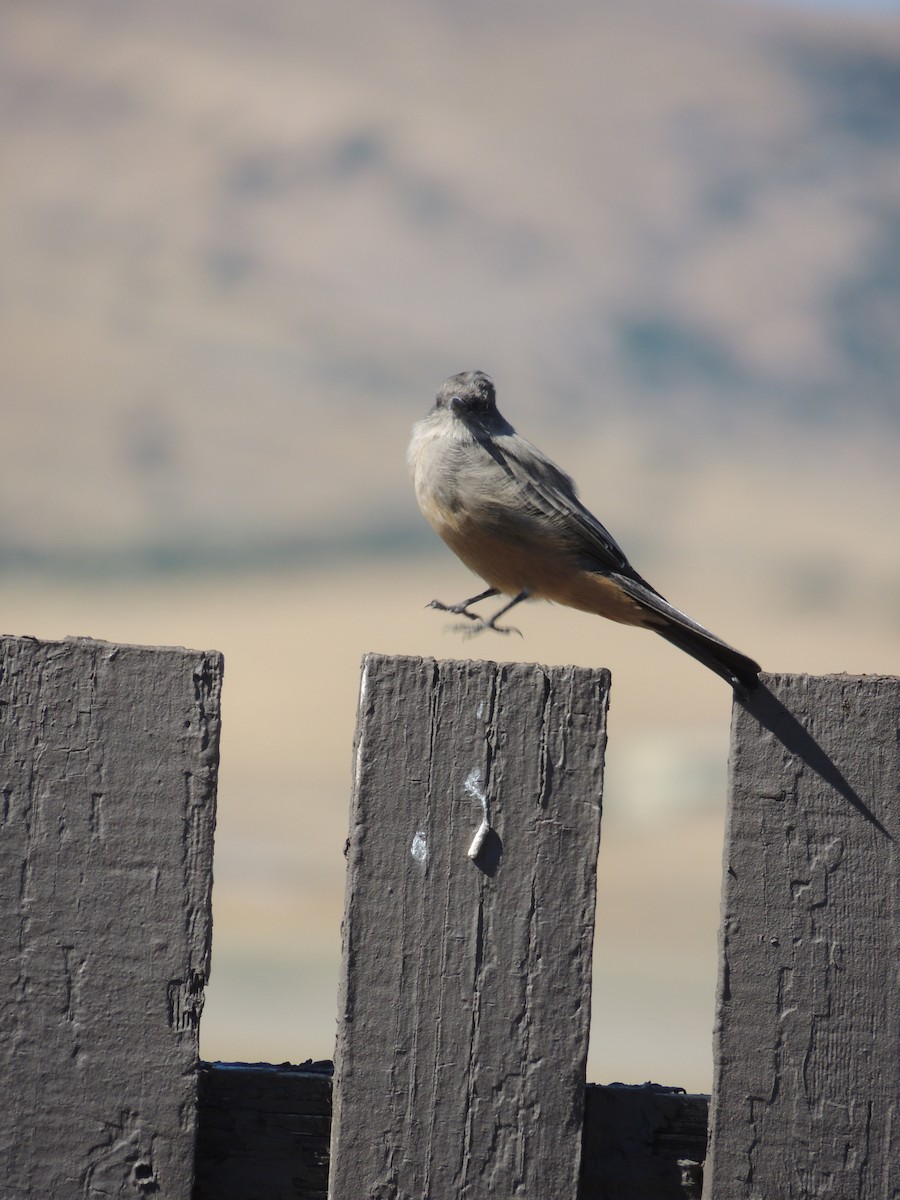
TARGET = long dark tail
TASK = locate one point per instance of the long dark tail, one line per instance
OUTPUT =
(688, 635)
(736, 668)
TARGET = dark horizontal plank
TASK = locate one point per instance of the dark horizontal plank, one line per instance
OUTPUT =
(264, 1131)
(642, 1143)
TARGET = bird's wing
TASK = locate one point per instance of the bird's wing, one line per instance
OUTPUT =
(552, 493)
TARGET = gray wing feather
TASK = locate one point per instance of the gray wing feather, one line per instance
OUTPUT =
(549, 492)
(552, 494)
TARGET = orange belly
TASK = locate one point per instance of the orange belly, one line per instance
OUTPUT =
(547, 569)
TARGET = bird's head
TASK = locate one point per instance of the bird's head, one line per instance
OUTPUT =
(469, 397)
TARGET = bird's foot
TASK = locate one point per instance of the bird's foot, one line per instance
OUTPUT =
(459, 610)
(470, 631)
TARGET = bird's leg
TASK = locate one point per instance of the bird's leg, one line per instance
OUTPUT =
(462, 609)
(491, 622)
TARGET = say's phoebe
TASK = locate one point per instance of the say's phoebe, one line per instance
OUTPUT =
(515, 519)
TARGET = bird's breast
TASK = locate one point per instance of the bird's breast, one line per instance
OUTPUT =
(437, 463)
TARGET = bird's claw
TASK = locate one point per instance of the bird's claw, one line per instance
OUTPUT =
(459, 610)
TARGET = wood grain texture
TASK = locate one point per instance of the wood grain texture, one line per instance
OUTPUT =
(806, 1098)
(465, 990)
(108, 758)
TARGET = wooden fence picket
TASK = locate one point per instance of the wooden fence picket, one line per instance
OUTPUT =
(108, 759)
(806, 1095)
(465, 994)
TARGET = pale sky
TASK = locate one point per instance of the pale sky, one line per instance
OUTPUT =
(833, 5)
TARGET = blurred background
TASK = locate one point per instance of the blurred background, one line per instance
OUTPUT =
(243, 245)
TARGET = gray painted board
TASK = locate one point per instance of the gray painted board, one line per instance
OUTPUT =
(465, 991)
(108, 758)
(806, 1099)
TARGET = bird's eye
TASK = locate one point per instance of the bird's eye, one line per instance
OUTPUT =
(456, 399)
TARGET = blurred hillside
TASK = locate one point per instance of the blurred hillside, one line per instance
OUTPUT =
(243, 245)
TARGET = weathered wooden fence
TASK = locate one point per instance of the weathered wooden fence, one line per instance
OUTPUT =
(465, 989)
(108, 759)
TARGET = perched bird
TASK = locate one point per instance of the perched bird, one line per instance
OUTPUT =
(515, 519)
